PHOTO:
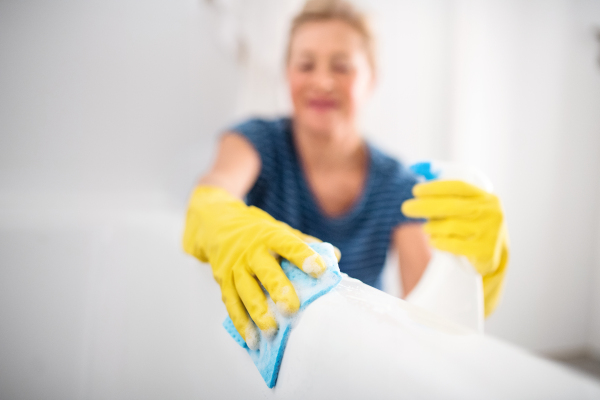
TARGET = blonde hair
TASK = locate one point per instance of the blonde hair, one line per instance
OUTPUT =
(324, 10)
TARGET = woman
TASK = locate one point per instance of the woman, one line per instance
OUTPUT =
(313, 174)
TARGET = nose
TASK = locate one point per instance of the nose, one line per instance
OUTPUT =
(323, 79)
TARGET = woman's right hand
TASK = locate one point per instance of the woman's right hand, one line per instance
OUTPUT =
(241, 244)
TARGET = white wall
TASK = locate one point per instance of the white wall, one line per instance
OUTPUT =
(513, 88)
(594, 332)
(124, 99)
(117, 96)
(409, 113)
(526, 100)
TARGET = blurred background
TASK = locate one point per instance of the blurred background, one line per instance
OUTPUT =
(111, 107)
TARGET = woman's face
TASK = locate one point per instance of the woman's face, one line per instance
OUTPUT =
(329, 75)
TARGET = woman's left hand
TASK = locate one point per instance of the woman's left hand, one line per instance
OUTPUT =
(468, 221)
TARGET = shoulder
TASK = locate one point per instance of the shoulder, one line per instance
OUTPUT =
(393, 185)
(268, 137)
(260, 127)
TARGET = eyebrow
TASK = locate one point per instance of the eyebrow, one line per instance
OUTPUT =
(336, 56)
(305, 54)
(341, 56)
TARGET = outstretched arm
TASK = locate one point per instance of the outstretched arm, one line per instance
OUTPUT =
(236, 167)
(241, 243)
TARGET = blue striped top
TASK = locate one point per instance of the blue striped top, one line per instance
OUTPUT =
(362, 234)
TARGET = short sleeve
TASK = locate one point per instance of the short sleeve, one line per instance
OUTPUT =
(404, 181)
(398, 182)
(260, 133)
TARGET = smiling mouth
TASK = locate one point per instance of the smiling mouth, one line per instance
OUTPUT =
(322, 104)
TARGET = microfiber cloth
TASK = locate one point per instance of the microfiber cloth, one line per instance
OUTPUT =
(268, 357)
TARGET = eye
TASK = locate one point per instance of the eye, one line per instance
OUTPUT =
(305, 66)
(341, 67)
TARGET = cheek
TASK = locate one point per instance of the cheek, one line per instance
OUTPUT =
(296, 83)
(355, 89)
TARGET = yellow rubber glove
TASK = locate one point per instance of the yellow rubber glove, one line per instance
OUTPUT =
(468, 221)
(241, 244)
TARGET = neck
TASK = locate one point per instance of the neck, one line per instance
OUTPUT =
(341, 149)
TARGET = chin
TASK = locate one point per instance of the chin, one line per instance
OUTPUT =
(321, 124)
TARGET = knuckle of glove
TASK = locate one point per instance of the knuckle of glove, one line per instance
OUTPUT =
(410, 208)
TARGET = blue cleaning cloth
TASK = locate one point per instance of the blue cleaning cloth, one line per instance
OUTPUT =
(268, 357)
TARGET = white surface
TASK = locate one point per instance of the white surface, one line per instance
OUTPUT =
(101, 303)
(127, 97)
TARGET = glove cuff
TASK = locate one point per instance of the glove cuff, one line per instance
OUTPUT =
(201, 202)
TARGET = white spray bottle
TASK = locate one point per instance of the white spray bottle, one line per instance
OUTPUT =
(450, 286)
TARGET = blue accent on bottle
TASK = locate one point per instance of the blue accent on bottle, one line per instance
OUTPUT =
(424, 169)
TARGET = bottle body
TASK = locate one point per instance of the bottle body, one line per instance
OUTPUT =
(450, 286)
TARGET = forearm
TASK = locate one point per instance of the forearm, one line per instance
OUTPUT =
(414, 254)
(224, 181)
(236, 167)
(410, 276)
